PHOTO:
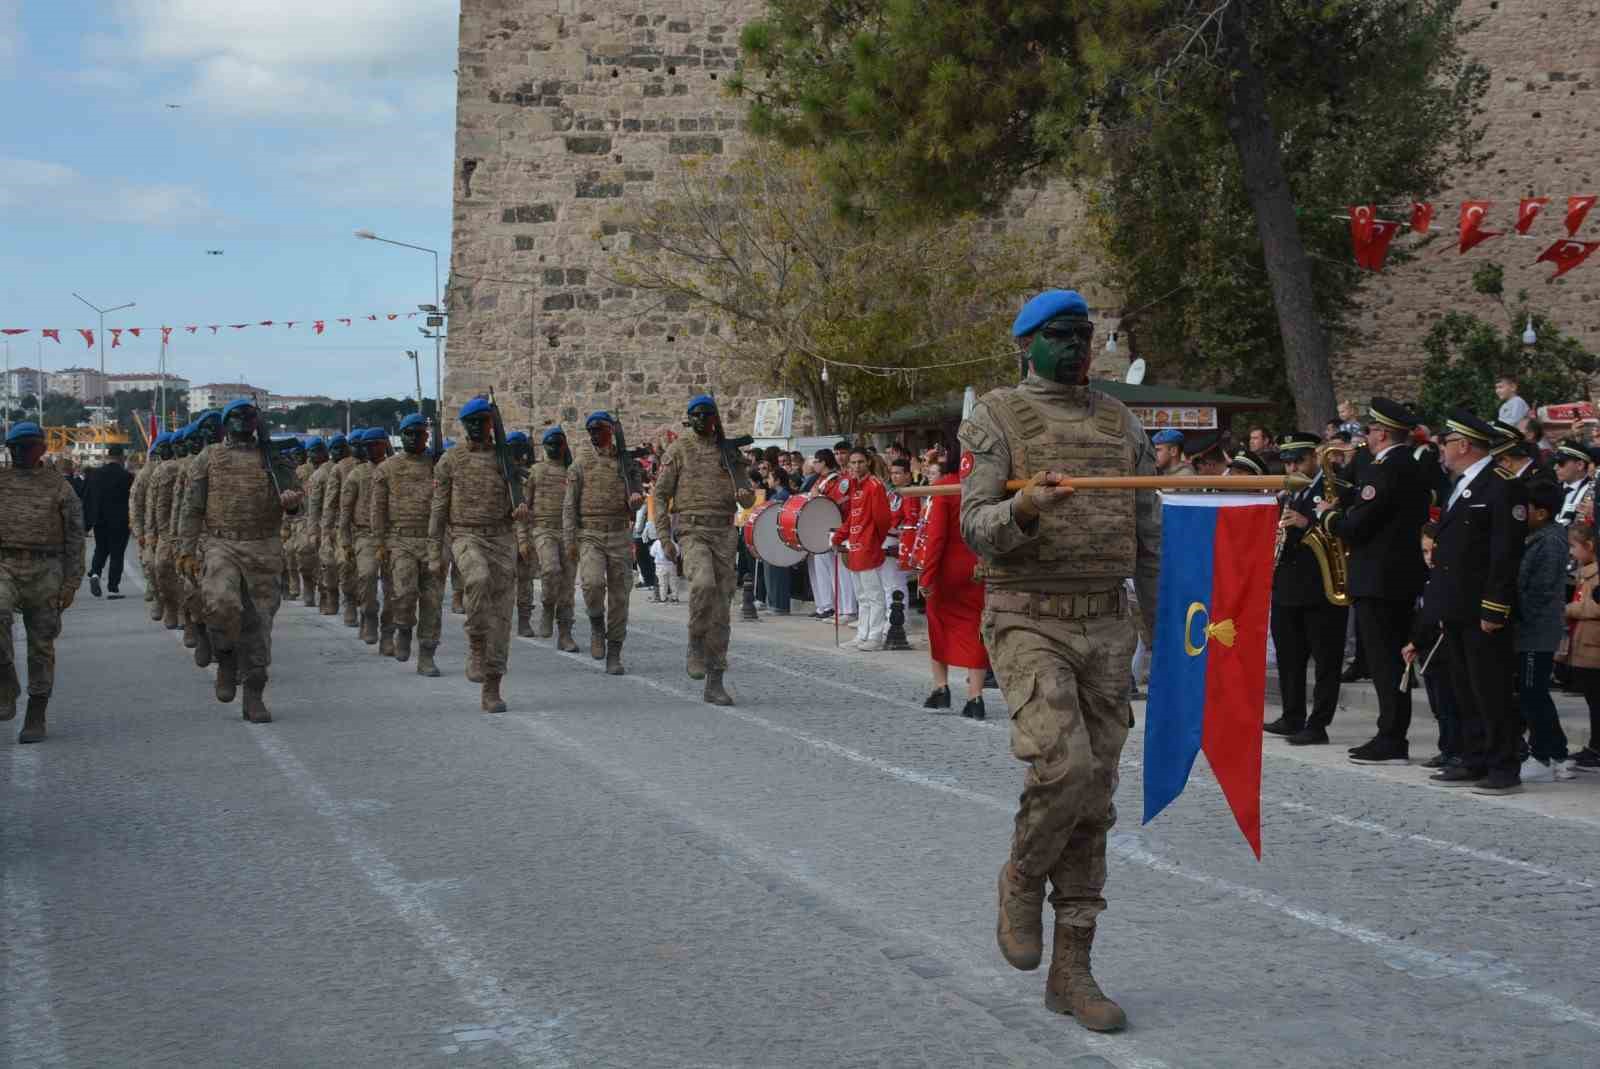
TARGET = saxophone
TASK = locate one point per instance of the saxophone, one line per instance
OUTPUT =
(1333, 556)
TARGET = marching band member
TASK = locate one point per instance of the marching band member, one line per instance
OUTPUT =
(903, 514)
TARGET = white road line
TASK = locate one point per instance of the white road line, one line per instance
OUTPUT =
(533, 1040)
(1487, 973)
(33, 1036)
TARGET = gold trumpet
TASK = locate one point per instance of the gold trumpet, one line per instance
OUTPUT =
(1333, 556)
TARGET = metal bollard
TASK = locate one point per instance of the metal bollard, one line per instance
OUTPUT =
(749, 610)
(896, 638)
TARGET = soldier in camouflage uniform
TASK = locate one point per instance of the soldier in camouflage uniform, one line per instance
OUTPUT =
(1057, 628)
(472, 505)
(136, 515)
(362, 541)
(322, 496)
(158, 525)
(332, 552)
(41, 565)
(203, 432)
(597, 526)
(292, 524)
(239, 506)
(539, 540)
(522, 460)
(402, 499)
(703, 484)
(306, 543)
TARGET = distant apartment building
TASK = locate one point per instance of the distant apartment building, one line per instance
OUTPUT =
(284, 402)
(217, 394)
(80, 383)
(144, 380)
(22, 382)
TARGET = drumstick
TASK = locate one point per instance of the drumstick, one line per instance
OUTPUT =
(1139, 482)
(836, 599)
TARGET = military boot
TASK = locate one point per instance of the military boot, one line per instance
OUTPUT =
(227, 677)
(1020, 929)
(155, 609)
(369, 629)
(524, 626)
(564, 641)
(291, 585)
(474, 658)
(189, 639)
(202, 646)
(458, 604)
(33, 719)
(352, 617)
(1071, 987)
(10, 690)
(614, 659)
(402, 644)
(328, 604)
(597, 637)
(715, 694)
(425, 665)
(492, 702)
(547, 621)
(386, 643)
(696, 665)
(309, 585)
(255, 707)
(169, 618)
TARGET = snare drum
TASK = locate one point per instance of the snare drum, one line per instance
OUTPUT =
(761, 537)
(908, 545)
(808, 523)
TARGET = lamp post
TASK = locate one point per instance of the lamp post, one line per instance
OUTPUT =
(432, 310)
(102, 312)
(416, 365)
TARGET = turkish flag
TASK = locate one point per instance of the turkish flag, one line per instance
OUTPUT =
(54, 335)
(1377, 250)
(1567, 254)
(1360, 228)
(1577, 208)
(88, 338)
(215, 327)
(290, 323)
(373, 318)
(1421, 217)
(238, 326)
(319, 326)
(191, 330)
(394, 316)
(14, 330)
(265, 323)
(346, 322)
(1528, 210)
(166, 335)
(116, 337)
(135, 331)
(1472, 213)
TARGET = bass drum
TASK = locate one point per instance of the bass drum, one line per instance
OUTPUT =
(808, 523)
(761, 537)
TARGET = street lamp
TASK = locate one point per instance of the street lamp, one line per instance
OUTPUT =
(438, 376)
(103, 312)
(416, 365)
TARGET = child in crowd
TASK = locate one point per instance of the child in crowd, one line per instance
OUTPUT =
(1424, 657)
(668, 582)
(1583, 615)
(1540, 620)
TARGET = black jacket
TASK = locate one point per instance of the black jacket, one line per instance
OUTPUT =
(105, 502)
(1479, 549)
(1380, 518)
(1297, 580)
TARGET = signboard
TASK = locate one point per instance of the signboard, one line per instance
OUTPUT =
(774, 417)
(1571, 412)
(1181, 417)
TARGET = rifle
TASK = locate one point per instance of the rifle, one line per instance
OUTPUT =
(264, 447)
(502, 454)
(731, 460)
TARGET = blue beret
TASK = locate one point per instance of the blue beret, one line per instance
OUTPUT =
(704, 400)
(1168, 437)
(338, 439)
(551, 435)
(354, 434)
(478, 406)
(242, 402)
(516, 437)
(413, 420)
(375, 434)
(449, 443)
(181, 434)
(208, 414)
(596, 418)
(315, 442)
(1045, 307)
(164, 438)
(26, 429)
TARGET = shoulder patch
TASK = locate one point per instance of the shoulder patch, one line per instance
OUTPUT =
(975, 436)
(1519, 513)
(966, 465)
(1503, 473)
(1369, 492)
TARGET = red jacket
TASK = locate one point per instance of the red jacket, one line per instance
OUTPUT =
(867, 520)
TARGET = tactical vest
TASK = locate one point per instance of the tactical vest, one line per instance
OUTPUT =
(239, 495)
(332, 489)
(410, 481)
(160, 495)
(356, 485)
(314, 488)
(1094, 536)
(604, 500)
(547, 490)
(478, 496)
(180, 486)
(31, 515)
(704, 486)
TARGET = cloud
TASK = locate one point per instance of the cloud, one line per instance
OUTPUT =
(42, 189)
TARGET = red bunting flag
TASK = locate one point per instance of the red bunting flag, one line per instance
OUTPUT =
(238, 326)
(88, 338)
(14, 330)
(290, 323)
(1567, 254)
(346, 322)
(1528, 210)
(135, 331)
(54, 335)
(393, 316)
(166, 335)
(215, 327)
(1577, 208)
(319, 326)
(191, 330)
(373, 318)
(1377, 250)
(265, 323)
(1421, 217)
(116, 337)
(1472, 213)
(1360, 228)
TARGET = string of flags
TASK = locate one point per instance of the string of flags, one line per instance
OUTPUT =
(318, 326)
(1371, 236)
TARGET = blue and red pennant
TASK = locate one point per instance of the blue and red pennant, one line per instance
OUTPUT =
(1208, 679)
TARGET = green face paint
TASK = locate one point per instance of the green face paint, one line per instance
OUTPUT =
(1060, 350)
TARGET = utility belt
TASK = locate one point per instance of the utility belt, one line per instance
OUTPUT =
(606, 526)
(409, 532)
(1110, 602)
(233, 535)
(548, 523)
(497, 527)
(30, 552)
(703, 521)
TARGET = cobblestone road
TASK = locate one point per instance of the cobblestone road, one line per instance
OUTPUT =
(615, 874)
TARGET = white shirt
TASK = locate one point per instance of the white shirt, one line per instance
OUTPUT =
(1387, 451)
(1569, 507)
(1466, 480)
(1513, 409)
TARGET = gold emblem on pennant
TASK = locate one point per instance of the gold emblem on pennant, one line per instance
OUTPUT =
(1223, 630)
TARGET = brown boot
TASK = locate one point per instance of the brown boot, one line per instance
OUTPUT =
(227, 677)
(597, 637)
(524, 624)
(351, 619)
(189, 639)
(547, 621)
(202, 646)
(33, 719)
(1071, 988)
(169, 618)
(308, 583)
(386, 643)
(10, 690)
(328, 603)
(565, 642)
(614, 659)
(425, 665)
(458, 604)
(402, 644)
(155, 610)
(255, 708)
(696, 663)
(492, 702)
(715, 694)
(1020, 929)
(474, 658)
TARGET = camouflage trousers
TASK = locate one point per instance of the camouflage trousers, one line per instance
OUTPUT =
(30, 587)
(147, 568)
(241, 593)
(1066, 682)
(194, 602)
(488, 566)
(290, 533)
(605, 571)
(710, 556)
(370, 573)
(526, 569)
(168, 581)
(415, 593)
(328, 557)
(557, 577)
(307, 552)
(349, 572)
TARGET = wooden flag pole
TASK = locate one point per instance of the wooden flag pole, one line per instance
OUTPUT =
(1139, 482)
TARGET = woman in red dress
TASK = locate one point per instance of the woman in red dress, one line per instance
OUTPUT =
(955, 603)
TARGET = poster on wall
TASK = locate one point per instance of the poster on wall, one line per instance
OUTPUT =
(774, 417)
(1180, 417)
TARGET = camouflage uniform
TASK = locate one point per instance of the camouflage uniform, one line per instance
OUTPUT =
(598, 520)
(306, 542)
(402, 498)
(695, 483)
(355, 532)
(41, 558)
(146, 541)
(544, 492)
(159, 499)
(191, 607)
(527, 568)
(472, 506)
(338, 574)
(316, 546)
(1056, 622)
(293, 533)
(231, 500)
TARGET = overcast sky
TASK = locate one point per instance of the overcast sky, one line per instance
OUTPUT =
(298, 122)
